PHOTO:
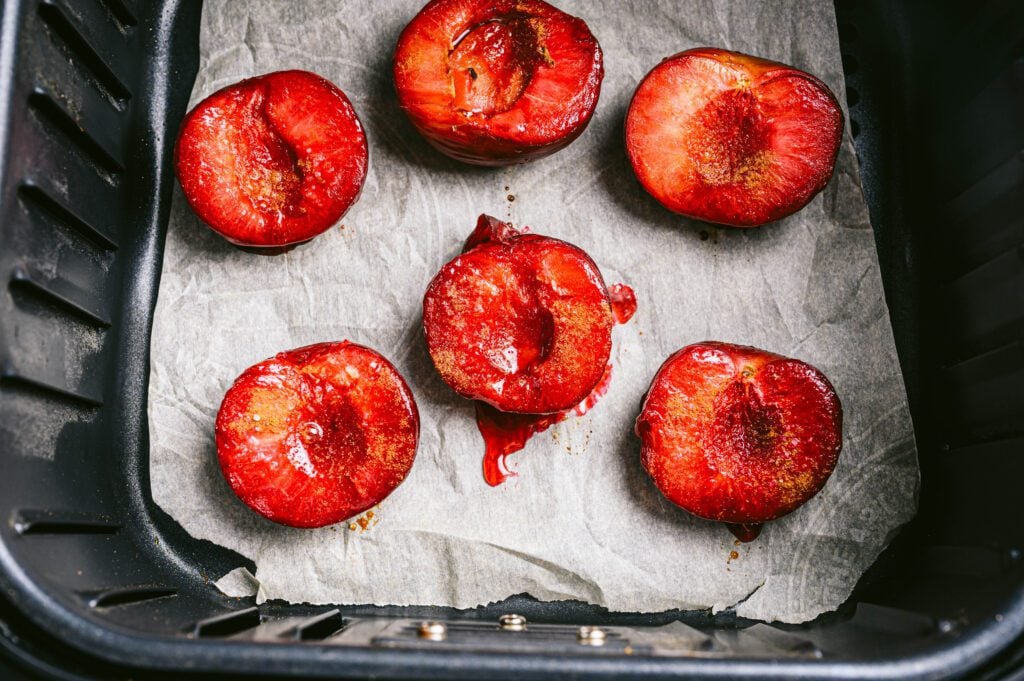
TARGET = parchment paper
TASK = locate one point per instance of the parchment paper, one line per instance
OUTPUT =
(582, 520)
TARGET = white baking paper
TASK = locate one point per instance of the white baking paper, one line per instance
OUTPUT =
(582, 520)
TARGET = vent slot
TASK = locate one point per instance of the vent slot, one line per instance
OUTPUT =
(52, 113)
(974, 323)
(35, 199)
(51, 347)
(892, 620)
(122, 16)
(320, 627)
(985, 221)
(113, 598)
(33, 421)
(105, 79)
(12, 376)
(228, 624)
(984, 400)
(23, 280)
(34, 522)
(783, 640)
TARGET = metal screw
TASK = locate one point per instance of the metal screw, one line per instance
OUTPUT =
(591, 636)
(512, 622)
(433, 631)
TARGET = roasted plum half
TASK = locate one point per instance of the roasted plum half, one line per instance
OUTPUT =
(496, 82)
(520, 321)
(522, 324)
(316, 435)
(272, 161)
(732, 139)
(739, 435)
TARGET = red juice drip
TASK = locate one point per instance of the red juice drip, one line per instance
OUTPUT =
(745, 531)
(623, 303)
(505, 433)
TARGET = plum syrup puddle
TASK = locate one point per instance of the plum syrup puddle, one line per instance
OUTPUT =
(505, 433)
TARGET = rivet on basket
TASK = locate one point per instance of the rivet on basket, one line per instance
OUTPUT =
(512, 622)
(433, 631)
(591, 636)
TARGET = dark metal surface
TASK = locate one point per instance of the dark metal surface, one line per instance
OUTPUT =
(96, 581)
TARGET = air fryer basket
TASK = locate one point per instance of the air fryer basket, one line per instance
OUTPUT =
(95, 579)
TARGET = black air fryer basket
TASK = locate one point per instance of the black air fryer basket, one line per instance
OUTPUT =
(96, 581)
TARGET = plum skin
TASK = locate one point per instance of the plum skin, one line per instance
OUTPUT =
(737, 434)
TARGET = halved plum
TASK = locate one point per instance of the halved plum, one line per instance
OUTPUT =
(520, 321)
(272, 161)
(318, 434)
(495, 82)
(732, 139)
(739, 435)
(522, 324)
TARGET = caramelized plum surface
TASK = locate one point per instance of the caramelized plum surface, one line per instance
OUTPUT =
(732, 139)
(520, 321)
(318, 434)
(494, 82)
(273, 160)
(739, 435)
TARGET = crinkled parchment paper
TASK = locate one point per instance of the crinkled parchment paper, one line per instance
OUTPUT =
(582, 520)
